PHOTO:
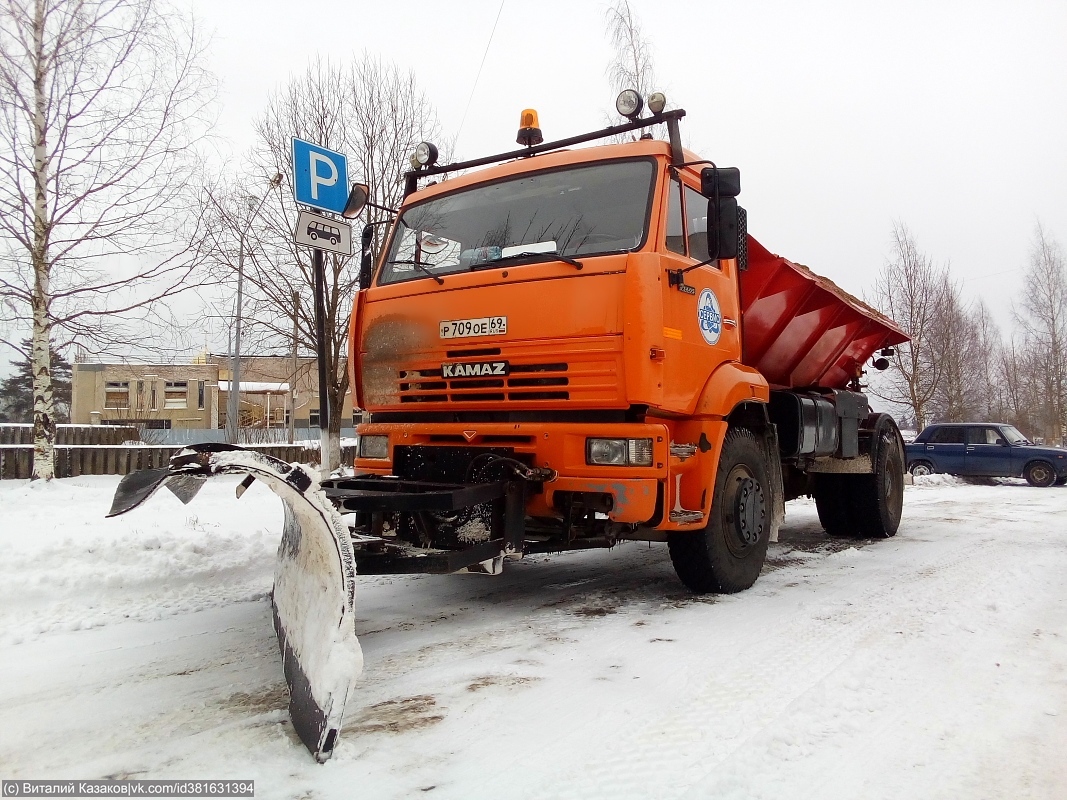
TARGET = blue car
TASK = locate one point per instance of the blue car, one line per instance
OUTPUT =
(985, 449)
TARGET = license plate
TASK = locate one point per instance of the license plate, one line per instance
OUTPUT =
(464, 328)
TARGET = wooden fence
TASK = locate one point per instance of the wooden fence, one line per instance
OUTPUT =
(18, 433)
(16, 460)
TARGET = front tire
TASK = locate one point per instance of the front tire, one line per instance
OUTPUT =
(921, 468)
(1040, 474)
(728, 555)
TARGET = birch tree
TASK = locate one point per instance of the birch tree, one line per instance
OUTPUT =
(376, 114)
(909, 291)
(632, 65)
(1043, 320)
(102, 103)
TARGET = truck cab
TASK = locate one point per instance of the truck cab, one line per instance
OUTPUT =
(530, 307)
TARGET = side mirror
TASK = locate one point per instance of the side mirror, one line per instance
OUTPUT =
(357, 200)
(722, 185)
(1002, 442)
(723, 238)
(720, 182)
(366, 265)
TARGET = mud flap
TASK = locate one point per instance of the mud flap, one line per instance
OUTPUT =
(314, 579)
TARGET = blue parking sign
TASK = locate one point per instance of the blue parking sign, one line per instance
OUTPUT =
(320, 176)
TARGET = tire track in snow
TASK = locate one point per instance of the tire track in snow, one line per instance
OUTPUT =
(686, 745)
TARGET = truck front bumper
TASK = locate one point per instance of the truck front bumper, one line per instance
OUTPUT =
(561, 447)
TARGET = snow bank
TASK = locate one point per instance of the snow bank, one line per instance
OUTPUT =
(65, 567)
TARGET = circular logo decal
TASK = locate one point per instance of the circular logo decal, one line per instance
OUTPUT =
(709, 316)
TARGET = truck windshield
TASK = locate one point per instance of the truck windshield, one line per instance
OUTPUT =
(578, 211)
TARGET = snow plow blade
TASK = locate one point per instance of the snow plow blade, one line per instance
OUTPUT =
(314, 579)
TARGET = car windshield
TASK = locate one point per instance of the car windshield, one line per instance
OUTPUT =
(1012, 436)
(586, 210)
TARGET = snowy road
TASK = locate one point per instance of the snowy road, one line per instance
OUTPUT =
(930, 665)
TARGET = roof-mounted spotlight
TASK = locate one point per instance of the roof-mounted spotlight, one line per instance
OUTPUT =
(425, 155)
(629, 103)
(657, 101)
(529, 128)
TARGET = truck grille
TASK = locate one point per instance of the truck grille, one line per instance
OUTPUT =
(526, 382)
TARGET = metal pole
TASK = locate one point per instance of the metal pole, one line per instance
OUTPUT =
(296, 367)
(319, 263)
(233, 407)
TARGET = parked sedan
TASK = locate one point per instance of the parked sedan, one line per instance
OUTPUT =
(986, 449)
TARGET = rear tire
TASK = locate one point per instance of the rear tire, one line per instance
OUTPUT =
(833, 501)
(1040, 474)
(879, 498)
(727, 556)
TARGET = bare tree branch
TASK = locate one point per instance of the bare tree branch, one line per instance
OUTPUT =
(104, 104)
(375, 114)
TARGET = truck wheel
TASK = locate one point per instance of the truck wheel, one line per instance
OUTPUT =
(1038, 473)
(921, 468)
(879, 498)
(834, 501)
(728, 554)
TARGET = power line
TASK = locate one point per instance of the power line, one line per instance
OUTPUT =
(479, 75)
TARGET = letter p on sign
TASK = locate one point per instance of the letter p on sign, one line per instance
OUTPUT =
(320, 177)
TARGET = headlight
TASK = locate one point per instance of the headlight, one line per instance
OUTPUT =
(619, 452)
(373, 446)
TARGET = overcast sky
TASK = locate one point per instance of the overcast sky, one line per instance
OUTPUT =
(842, 116)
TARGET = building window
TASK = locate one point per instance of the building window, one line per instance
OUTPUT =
(175, 394)
(117, 394)
(200, 394)
(313, 418)
(154, 406)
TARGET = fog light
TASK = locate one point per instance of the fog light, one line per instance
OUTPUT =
(619, 452)
(373, 446)
(629, 103)
(657, 101)
(426, 154)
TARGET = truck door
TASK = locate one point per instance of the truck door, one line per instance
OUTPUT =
(700, 328)
(987, 453)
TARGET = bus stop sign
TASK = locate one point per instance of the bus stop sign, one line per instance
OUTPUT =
(315, 230)
(320, 177)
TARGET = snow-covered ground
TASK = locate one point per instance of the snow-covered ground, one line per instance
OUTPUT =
(931, 665)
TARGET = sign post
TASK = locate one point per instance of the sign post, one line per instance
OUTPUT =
(320, 180)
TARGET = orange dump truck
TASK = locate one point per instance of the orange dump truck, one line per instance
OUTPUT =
(565, 349)
(574, 347)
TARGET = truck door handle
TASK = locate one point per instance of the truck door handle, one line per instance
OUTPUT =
(929, 447)
(970, 448)
(731, 322)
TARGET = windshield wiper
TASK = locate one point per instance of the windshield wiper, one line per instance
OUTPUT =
(541, 256)
(421, 265)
